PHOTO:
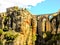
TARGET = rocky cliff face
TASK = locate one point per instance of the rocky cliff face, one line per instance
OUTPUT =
(21, 22)
(30, 28)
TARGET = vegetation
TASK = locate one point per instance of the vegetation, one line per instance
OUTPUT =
(50, 38)
(34, 37)
(1, 32)
(1, 42)
(9, 36)
(5, 29)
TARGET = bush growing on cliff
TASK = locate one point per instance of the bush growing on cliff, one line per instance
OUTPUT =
(9, 36)
(1, 42)
(1, 31)
(47, 36)
(5, 29)
(50, 38)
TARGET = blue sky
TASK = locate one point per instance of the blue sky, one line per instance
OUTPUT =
(46, 7)
(34, 6)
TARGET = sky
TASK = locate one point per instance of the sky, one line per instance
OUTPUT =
(34, 6)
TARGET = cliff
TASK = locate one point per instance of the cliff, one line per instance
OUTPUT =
(20, 27)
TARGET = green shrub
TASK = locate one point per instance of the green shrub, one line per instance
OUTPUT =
(1, 31)
(58, 36)
(9, 36)
(48, 36)
(1, 42)
(5, 29)
(34, 37)
(51, 38)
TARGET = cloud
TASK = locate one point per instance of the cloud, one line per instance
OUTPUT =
(20, 3)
